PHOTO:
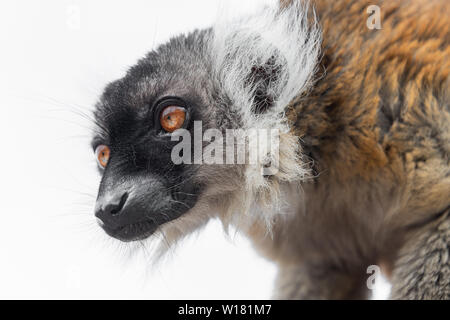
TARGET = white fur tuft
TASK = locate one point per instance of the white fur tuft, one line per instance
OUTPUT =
(290, 38)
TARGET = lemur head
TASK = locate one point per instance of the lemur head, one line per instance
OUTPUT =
(236, 75)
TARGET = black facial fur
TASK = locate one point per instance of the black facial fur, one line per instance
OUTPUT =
(141, 188)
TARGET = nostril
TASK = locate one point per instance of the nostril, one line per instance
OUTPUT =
(115, 208)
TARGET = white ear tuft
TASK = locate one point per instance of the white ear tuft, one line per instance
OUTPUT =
(269, 57)
(261, 64)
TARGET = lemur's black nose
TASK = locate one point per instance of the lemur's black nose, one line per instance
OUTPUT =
(123, 216)
(109, 207)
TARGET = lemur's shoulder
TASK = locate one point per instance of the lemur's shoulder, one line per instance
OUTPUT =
(379, 110)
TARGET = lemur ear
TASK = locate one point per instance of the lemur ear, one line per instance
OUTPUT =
(263, 61)
(259, 80)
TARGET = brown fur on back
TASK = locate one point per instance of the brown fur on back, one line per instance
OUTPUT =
(376, 126)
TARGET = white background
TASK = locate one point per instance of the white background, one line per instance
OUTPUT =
(55, 58)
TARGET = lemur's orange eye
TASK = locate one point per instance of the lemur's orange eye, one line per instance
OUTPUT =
(102, 153)
(172, 118)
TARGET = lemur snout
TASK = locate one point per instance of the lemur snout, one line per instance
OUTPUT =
(120, 217)
(113, 207)
(110, 209)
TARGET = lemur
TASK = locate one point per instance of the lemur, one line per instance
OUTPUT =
(363, 121)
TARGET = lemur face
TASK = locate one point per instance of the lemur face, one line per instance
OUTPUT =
(141, 187)
(234, 76)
